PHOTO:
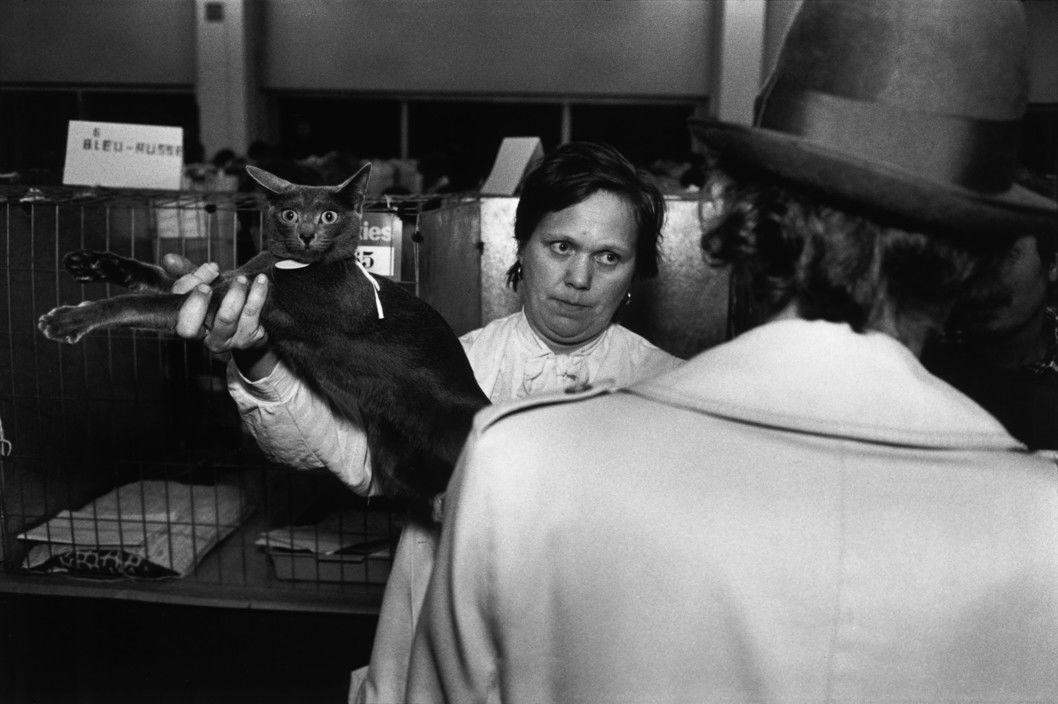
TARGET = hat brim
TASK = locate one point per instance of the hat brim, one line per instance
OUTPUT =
(879, 188)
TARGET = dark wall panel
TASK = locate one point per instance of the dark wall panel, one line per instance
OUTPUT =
(97, 41)
(589, 47)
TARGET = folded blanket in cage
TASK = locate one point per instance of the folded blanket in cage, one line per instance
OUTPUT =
(144, 529)
(342, 547)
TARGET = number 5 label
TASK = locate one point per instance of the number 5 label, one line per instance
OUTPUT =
(380, 243)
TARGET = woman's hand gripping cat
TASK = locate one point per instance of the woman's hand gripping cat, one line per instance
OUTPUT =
(237, 325)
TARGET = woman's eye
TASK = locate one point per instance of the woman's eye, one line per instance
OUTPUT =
(560, 247)
(608, 258)
(329, 217)
(288, 215)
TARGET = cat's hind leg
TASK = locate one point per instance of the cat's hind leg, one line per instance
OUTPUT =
(88, 265)
(136, 310)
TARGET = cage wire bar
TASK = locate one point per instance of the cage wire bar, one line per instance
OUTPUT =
(124, 469)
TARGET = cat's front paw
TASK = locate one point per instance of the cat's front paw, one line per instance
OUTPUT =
(65, 324)
(87, 265)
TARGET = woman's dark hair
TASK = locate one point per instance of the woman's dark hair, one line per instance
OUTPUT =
(576, 171)
(792, 246)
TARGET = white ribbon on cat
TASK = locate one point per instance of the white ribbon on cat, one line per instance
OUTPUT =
(374, 283)
(5, 445)
(292, 264)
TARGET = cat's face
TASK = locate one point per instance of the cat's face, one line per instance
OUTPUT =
(314, 223)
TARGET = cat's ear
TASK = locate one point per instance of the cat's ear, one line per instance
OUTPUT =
(269, 181)
(354, 188)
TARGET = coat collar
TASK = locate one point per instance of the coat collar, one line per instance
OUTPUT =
(823, 378)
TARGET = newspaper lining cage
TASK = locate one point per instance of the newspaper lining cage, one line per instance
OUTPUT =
(123, 456)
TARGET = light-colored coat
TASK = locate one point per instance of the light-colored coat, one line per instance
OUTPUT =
(801, 515)
(509, 361)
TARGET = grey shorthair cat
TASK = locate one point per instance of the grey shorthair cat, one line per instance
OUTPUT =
(372, 350)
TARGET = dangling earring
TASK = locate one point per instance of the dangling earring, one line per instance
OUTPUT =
(628, 298)
(514, 275)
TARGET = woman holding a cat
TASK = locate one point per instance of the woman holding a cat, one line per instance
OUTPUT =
(586, 225)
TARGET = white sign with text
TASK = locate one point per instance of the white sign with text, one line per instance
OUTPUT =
(124, 156)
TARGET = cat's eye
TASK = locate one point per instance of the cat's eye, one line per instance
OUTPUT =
(288, 215)
(328, 217)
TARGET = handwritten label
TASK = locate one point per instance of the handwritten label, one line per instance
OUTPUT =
(123, 156)
(379, 249)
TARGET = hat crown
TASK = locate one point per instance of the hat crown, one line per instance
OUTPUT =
(908, 109)
(936, 56)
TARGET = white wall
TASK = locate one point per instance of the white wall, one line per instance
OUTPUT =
(226, 85)
(738, 73)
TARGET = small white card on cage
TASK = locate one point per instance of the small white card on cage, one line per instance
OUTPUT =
(120, 155)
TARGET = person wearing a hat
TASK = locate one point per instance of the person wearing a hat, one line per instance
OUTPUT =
(802, 514)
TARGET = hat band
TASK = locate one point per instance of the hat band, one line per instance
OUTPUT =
(974, 154)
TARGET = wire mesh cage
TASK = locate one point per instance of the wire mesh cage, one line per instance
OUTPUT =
(123, 464)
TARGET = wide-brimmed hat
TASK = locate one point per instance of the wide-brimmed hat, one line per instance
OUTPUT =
(906, 108)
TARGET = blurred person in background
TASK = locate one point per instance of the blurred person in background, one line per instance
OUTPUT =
(1001, 348)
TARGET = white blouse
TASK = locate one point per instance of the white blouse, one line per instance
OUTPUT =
(295, 427)
(511, 361)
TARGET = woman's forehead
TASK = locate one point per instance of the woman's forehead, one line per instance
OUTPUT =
(601, 219)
